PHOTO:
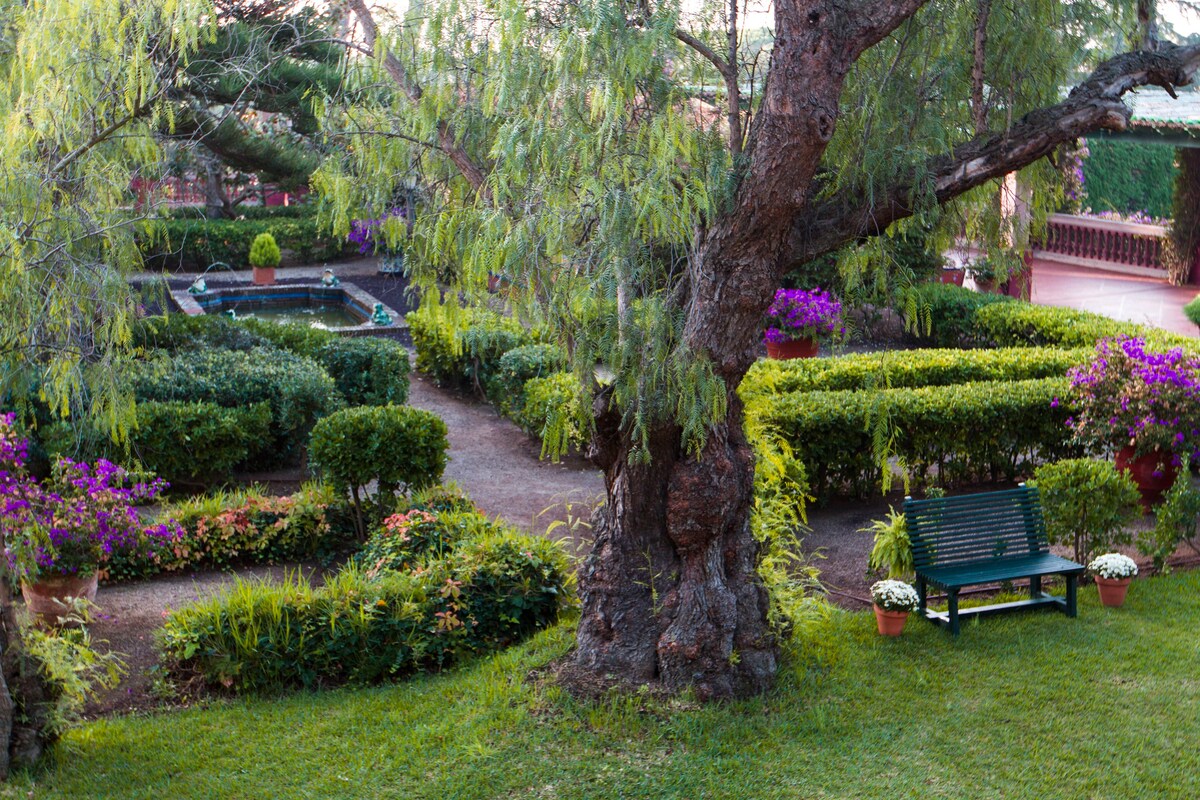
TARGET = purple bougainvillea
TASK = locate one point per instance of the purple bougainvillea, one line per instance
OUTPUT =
(71, 523)
(797, 314)
(1130, 396)
(367, 233)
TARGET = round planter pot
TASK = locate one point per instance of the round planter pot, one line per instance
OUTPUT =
(793, 348)
(890, 623)
(1152, 477)
(49, 596)
(1112, 590)
(264, 276)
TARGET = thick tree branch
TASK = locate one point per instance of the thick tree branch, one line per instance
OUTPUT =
(878, 18)
(473, 172)
(727, 70)
(1093, 105)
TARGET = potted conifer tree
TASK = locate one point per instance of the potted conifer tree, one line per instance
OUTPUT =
(264, 258)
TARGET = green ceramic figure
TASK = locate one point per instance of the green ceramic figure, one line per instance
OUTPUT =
(379, 316)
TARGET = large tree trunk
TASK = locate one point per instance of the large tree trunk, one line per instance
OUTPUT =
(670, 591)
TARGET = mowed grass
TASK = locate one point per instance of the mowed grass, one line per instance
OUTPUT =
(1021, 706)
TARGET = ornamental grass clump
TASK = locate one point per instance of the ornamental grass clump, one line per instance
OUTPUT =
(802, 314)
(894, 596)
(1128, 396)
(1113, 567)
(70, 524)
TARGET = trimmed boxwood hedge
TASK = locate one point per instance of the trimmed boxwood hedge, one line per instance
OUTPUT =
(907, 368)
(970, 431)
(194, 244)
(297, 389)
(960, 317)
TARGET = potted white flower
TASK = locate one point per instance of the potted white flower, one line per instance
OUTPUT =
(893, 600)
(1113, 573)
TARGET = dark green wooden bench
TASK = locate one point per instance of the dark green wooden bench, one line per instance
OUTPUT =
(981, 538)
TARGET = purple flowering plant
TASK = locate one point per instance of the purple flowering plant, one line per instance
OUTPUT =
(371, 234)
(70, 524)
(800, 314)
(1130, 396)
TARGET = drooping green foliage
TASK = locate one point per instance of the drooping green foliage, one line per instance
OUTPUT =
(74, 75)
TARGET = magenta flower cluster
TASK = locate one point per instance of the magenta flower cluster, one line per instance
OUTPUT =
(71, 523)
(1130, 396)
(366, 233)
(799, 314)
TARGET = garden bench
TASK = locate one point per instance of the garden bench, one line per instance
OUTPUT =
(981, 538)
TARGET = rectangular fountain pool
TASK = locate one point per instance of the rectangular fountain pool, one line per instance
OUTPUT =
(342, 309)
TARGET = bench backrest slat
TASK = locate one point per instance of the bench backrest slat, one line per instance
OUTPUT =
(975, 527)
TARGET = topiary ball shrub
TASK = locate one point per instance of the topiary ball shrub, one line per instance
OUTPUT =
(264, 252)
(1088, 504)
(393, 445)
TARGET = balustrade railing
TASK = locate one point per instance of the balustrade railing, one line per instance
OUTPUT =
(1128, 246)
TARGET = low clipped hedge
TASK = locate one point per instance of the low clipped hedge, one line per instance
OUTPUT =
(490, 589)
(971, 431)
(191, 244)
(298, 390)
(951, 316)
(367, 370)
(515, 368)
(907, 368)
(465, 353)
(183, 442)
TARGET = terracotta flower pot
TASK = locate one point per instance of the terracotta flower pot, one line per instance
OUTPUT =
(793, 348)
(890, 623)
(264, 276)
(49, 596)
(1152, 477)
(1112, 590)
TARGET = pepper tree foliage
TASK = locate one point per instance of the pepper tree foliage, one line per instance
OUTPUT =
(76, 74)
(603, 165)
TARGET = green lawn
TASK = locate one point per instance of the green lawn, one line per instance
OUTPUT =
(1036, 705)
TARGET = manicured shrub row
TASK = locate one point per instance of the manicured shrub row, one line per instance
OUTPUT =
(297, 389)
(970, 431)
(367, 370)
(908, 368)
(241, 527)
(194, 244)
(495, 357)
(491, 587)
(959, 317)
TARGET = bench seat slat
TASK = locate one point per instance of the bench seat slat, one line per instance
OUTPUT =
(1003, 569)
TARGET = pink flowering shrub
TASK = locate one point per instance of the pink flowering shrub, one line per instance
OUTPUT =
(70, 524)
(799, 314)
(1128, 396)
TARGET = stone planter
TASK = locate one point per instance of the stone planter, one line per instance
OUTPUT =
(793, 348)
(264, 276)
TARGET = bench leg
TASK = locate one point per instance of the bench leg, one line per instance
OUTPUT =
(952, 596)
(1071, 596)
(922, 593)
(1035, 587)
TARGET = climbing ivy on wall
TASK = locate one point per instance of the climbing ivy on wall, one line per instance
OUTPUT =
(1128, 177)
